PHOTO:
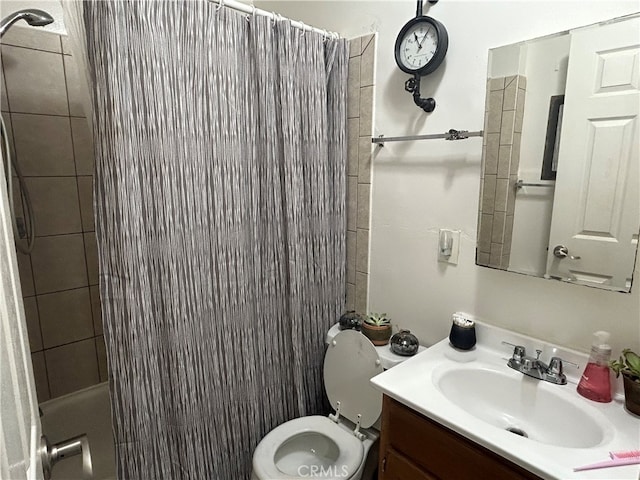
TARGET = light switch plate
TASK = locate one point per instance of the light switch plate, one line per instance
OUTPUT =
(454, 235)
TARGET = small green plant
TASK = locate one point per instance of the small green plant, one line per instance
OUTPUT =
(378, 319)
(628, 364)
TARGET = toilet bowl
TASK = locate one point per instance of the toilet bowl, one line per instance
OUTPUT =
(337, 447)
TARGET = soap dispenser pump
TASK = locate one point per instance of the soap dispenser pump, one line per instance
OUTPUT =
(595, 383)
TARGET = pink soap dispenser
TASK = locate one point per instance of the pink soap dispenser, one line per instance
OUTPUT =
(595, 383)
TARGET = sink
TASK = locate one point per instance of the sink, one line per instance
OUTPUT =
(522, 405)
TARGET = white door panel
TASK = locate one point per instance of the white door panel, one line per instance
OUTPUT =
(596, 212)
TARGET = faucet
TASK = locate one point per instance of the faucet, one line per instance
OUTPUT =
(534, 367)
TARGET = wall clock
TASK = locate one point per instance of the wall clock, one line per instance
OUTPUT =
(420, 49)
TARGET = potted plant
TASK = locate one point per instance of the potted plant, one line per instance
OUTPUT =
(377, 328)
(629, 366)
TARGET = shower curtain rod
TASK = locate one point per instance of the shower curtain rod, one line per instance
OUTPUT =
(252, 10)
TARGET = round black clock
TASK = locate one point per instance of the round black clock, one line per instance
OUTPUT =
(421, 45)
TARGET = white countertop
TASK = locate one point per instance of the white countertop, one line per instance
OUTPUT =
(414, 383)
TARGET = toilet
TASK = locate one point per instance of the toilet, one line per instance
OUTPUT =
(338, 446)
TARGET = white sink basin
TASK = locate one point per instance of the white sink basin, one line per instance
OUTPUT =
(475, 394)
(521, 405)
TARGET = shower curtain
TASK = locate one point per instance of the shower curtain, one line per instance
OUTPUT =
(220, 208)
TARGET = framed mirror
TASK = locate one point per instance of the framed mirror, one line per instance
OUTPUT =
(559, 195)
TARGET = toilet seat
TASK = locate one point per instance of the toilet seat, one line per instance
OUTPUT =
(349, 456)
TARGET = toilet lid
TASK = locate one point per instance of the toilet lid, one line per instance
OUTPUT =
(351, 361)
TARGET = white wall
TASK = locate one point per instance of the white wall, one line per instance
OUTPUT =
(420, 187)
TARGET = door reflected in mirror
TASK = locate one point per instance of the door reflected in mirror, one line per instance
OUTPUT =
(560, 182)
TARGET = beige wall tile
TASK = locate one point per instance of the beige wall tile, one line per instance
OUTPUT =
(43, 145)
(367, 64)
(26, 275)
(508, 235)
(96, 309)
(31, 38)
(484, 235)
(72, 367)
(33, 323)
(364, 199)
(504, 161)
(353, 88)
(510, 93)
(506, 129)
(482, 258)
(55, 205)
(495, 258)
(352, 203)
(350, 297)
(362, 251)
(491, 159)
(351, 257)
(488, 194)
(59, 263)
(91, 250)
(511, 194)
(515, 154)
(362, 293)
(496, 83)
(74, 87)
(366, 111)
(66, 45)
(40, 376)
(4, 101)
(502, 190)
(353, 129)
(367, 40)
(497, 231)
(364, 159)
(101, 352)
(65, 317)
(519, 110)
(495, 112)
(355, 46)
(85, 192)
(35, 81)
(82, 146)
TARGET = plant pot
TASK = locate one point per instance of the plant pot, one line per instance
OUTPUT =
(631, 395)
(379, 335)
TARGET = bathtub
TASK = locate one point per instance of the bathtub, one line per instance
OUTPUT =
(85, 411)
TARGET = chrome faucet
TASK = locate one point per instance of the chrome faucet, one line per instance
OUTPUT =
(534, 367)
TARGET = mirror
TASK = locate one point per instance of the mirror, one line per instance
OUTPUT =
(559, 194)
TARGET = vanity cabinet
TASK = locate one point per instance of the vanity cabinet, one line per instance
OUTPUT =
(413, 447)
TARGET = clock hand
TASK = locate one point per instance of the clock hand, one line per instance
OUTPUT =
(425, 36)
(415, 35)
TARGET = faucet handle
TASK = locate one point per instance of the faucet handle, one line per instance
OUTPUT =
(518, 351)
(556, 365)
(555, 370)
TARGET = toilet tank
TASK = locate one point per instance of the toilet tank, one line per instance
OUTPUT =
(388, 359)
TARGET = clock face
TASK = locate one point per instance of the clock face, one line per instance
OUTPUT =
(421, 45)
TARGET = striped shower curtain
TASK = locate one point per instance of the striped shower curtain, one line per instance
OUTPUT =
(220, 213)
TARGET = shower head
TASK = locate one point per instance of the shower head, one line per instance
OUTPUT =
(34, 17)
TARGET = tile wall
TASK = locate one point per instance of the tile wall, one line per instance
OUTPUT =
(361, 86)
(500, 161)
(50, 138)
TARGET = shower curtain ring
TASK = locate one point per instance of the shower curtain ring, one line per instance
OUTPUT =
(220, 5)
(252, 14)
(303, 27)
(274, 18)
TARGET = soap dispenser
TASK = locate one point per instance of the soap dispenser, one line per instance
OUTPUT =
(595, 383)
